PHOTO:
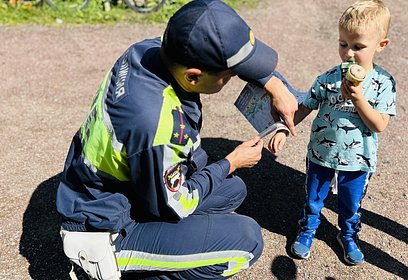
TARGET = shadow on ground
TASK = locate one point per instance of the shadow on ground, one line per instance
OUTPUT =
(275, 196)
(40, 241)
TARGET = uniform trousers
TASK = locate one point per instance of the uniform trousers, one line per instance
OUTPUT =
(213, 243)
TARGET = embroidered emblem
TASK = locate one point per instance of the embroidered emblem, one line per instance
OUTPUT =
(173, 178)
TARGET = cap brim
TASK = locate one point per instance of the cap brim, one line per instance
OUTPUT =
(260, 63)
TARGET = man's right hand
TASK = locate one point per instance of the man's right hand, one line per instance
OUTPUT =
(246, 155)
(283, 101)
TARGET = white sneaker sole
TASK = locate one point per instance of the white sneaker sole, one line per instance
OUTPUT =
(297, 255)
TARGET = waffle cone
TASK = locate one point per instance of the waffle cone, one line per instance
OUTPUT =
(356, 74)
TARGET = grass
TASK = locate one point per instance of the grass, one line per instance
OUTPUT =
(21, 14)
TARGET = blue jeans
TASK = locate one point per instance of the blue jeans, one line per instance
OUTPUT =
(351, 190)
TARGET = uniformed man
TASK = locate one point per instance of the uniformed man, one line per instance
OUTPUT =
(136, 169)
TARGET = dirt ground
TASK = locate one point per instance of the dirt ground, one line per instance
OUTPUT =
(50, 74)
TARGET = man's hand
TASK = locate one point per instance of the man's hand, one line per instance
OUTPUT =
(283, 101)
(246, 155)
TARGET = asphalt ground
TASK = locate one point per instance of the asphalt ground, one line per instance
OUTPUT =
(50, 74)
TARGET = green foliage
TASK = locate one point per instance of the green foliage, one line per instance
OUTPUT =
(29, 12)
(66, 14)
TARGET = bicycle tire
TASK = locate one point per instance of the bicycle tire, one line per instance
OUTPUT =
(77, 5)
(51, 4)
(36, 3)
(145, 6)
(84, 4)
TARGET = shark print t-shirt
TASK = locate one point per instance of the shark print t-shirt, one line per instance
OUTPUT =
(339, 138)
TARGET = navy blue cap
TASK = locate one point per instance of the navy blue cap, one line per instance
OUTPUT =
(210, 35)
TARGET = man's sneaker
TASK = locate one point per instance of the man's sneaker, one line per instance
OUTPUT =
(301, 246)
(352, 253)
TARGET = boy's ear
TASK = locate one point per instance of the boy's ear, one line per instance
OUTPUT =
(382, 44)
(192, 75)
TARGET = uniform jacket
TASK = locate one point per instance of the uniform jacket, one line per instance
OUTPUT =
(137, 155)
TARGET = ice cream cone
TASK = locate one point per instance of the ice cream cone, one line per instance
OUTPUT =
(356, 74)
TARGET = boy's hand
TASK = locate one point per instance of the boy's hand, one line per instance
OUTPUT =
(349, 91)
(277, 142)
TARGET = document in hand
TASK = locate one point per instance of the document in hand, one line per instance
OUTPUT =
(255, 104)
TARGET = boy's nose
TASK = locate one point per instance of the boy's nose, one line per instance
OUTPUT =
(350, 53)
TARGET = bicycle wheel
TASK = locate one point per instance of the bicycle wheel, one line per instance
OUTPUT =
(34, 3)
(67, 4)
(82, 4)
(51, 4)
(145, 6)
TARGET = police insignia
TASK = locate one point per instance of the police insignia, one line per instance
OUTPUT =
(173, 178)
(181, 128)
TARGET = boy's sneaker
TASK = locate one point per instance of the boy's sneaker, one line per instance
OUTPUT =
(352, 253)
(302, 244)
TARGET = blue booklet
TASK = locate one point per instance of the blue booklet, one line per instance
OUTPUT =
(255, 104)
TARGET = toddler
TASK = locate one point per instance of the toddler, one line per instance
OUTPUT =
(343, 141)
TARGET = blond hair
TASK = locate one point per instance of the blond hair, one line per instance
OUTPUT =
(364, 14)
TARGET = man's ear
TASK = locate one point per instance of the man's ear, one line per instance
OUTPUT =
(382, 44)
(192, 75)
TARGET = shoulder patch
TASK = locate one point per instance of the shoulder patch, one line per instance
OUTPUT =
(173, 178)
(181, 128)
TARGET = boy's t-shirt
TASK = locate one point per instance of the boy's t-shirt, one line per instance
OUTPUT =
(339, 138)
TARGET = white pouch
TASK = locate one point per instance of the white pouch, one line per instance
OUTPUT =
(93, 251)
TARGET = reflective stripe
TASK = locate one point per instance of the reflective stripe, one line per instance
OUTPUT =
(197, 143)
(134, 260)
(240, 55)
(165, 125)
(102, 151)
(183, 202)
(107, 120)
(189, 201)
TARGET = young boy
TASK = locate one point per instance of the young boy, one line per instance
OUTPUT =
(343, 143)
